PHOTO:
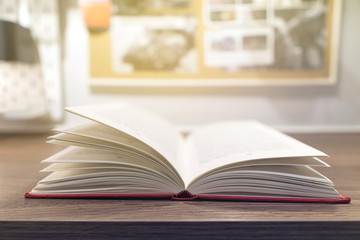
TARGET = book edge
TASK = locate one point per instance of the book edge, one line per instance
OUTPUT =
(186, 196)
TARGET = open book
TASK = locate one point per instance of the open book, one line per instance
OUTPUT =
(127, 152)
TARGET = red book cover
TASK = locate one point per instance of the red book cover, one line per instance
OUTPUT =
(186, 196)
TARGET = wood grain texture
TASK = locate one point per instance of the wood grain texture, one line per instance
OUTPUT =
(20, 157)
(181, 230)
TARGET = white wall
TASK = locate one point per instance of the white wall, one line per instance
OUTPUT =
(335, 107)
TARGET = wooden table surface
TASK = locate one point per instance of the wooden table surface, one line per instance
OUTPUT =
(21, 218)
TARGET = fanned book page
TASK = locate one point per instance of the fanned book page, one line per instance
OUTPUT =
(127, 152)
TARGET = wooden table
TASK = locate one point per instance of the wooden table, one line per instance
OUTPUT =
(21, 218)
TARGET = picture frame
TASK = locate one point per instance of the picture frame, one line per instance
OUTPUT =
(217, 43)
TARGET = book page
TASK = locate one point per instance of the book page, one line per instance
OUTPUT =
(71, 163)
(110, 137)
(139, 123)
(108, 181)
(266, 181)
(220, 144)
(119, 147)
(92, 155)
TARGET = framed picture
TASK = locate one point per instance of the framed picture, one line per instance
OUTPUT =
(217, 43)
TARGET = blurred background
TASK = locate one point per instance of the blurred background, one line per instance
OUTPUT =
(291, 64)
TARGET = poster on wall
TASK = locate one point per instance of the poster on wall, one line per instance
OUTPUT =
(216, 42)
(153, 44)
